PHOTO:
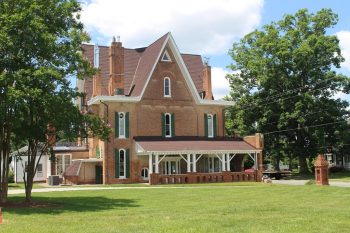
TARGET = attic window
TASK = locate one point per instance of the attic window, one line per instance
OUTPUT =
(166, 57)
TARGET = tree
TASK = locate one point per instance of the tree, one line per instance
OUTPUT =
(40, 42)
(284, 85)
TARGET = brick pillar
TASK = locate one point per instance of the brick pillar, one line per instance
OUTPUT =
(226, 176)
(154, 179)
(321, 170)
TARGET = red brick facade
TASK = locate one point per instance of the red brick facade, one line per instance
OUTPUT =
(144, 102)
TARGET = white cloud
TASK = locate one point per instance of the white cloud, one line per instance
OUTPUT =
(344, 41)
(204, 27)
(220, 84)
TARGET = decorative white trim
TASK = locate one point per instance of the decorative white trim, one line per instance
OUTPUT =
(115, 98)
(140, 153)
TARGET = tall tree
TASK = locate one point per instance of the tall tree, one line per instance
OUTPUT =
(286, 82)
(40, 50)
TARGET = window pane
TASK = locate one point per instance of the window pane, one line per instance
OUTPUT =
(166, 86)
(210, 126)
(121, 163)
(121, 124)
(167, 125)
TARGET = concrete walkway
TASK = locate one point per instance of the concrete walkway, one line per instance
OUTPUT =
(303, 182)
(76, 188)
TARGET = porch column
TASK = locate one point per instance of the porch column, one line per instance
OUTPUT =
(228, 162)
(223, 162)
(255, 162)
(150, 164)
(188, 162)
(157, 163)
(194, 162)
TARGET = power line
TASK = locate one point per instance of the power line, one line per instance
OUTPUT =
(305, 127)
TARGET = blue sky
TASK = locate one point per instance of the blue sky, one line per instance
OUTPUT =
(204, 27)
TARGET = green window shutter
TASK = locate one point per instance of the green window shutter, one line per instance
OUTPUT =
(173, 125)
(127, 163)
(116, 127)
(205, 125)
(163, 125)
(214, 126)
(116, 163)
(127, 125)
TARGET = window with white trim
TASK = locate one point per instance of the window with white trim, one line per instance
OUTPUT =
(39, 171)
(121, 125)
(122, 164)
(144, 173)
(63, 161)
(167, 87)
(210, 126)
(167, 125)
(166, 57)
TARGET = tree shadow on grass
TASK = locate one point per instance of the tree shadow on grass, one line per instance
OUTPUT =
(59, 205)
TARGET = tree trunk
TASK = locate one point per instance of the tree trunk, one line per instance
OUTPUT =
(303, 164)
(28, 190)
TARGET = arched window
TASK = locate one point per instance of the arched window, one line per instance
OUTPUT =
(144, 173)
(122, 125)
(167, 87)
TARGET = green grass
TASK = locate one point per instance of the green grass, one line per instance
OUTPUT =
(21, 185)
(246, 207)
(340, 176)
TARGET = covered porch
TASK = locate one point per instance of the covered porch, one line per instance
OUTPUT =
(178, 162)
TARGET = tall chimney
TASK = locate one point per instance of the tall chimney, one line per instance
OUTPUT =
(207, 82)
(96, 84)
(116, 68)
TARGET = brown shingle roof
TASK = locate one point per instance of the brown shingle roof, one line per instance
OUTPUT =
(73, 169)
(138, 64)
(166, 146)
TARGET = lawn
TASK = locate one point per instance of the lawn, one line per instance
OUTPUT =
(247, 207)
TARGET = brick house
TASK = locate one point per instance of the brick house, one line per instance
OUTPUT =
(167, 127)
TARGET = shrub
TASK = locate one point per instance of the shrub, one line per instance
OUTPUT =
(11, 177)
(336, 169)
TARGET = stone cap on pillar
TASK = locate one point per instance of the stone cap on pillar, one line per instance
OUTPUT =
(321, 161)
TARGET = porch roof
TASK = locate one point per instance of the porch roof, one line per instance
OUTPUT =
(191, 147)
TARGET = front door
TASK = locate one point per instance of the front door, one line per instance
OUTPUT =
(171, 167)
(98, 172)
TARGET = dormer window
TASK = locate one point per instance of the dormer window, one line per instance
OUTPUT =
(166, 57)
(96, 56)
(167, 87)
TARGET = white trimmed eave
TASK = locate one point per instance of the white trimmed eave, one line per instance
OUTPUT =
(115, 98)
(177, 152)
(217, 102)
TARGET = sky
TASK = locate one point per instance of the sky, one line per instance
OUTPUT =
(205, 27)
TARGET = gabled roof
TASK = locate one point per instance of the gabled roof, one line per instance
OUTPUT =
(146, 64)
(139, 65)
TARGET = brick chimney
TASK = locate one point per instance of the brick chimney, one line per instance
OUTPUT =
(116, 68)
(96, 84)
(207, 82)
